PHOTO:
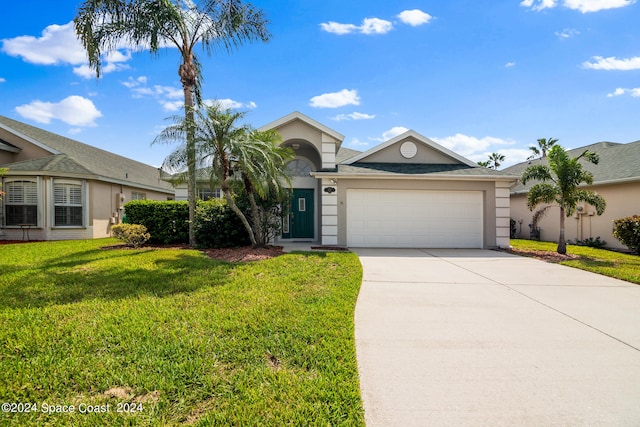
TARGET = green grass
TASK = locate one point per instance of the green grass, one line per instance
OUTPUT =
(186, 339)
(601, 261)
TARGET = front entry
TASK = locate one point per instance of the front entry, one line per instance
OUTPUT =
(299, 223)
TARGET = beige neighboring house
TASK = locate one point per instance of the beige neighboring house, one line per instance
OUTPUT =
(408, 192)
(58, 188)
(616, 178)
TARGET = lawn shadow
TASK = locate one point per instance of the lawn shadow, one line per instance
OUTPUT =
(76, 278)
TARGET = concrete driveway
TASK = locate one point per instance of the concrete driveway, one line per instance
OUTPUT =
(484, 338)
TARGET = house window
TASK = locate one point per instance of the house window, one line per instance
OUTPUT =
(208, 193)
(298, 167)
(67, 200)
(138, 196)
(21, 203)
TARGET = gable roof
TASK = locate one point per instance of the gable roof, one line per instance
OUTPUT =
(618, 163)
(72, 157)
(296, 115)
(415, 136)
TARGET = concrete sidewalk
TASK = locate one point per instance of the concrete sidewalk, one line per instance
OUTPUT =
(484, 338)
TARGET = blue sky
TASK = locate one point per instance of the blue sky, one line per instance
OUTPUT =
(476, 77)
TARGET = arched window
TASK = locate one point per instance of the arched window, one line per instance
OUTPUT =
(298, 167)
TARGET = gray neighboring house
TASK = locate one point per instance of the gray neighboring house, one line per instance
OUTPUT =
(616, 177)
(58, 188)
(406, 192)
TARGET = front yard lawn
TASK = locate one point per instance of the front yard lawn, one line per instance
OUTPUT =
(601, 261)
(170, 337)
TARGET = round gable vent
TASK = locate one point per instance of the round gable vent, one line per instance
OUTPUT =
(408, 150)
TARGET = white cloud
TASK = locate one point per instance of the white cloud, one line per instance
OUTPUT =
(59, 45)
(73, 110)
(567, 33)
(612, 63)
(353, 116)
(414, 17)
(634, 92)
(375, 26)
(336, 99)
(2, 80)
(337, 28)
(393, 132)
(510, 64)
(369, 26)
(355, 142)
(583, 6)
(586, 6)
(468, 145)
(231, 104)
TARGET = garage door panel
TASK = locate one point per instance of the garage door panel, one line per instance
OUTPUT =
(414, 218)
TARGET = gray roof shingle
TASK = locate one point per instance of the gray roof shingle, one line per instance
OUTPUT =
(79, 158)
(420, 169)
(618, 162)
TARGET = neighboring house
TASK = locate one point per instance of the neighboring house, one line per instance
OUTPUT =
(616, 177)
(58, 188)
(406, 192)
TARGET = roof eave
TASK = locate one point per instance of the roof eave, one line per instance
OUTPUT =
(432, 177)
(29, 139)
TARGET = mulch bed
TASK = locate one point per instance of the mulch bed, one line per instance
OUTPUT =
(542, 255)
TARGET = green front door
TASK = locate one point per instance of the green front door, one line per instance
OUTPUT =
(300, 219)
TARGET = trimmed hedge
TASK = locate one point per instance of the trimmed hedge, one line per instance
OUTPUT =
(216, 226)
(627, 230)
(166, 221)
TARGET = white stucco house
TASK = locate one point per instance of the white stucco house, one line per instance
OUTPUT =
(408, 192)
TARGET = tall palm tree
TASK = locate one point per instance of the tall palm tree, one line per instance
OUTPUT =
(104, 25)
(227, 150)
(559, 184)
(544, 145)
(495, 159)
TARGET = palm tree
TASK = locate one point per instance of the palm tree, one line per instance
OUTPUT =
(261, 163)
(559, 183)
(495, 159)
(483, 164)
(226, 150)
(544, 145)
(104, 25)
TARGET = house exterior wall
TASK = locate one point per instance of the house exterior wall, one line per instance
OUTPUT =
(426, 155)
(28, 150)
(100, 205)
(488, 189)
(622, 200)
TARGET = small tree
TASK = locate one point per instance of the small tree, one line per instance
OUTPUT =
(495, 160)
(230, 153)
(559, 184)
(627, 230)
(544, 145)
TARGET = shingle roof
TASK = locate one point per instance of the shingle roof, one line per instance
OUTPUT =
(79, 158)
(345, 154)
(618, 162)
(420, 169)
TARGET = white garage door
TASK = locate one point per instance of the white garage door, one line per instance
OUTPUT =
(414, 219)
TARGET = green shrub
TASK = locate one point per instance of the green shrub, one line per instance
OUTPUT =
(167, 221)
(216, 226)
(132, 234)
(627, 230)
(590, 242)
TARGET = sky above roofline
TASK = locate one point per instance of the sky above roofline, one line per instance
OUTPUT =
(475, 77)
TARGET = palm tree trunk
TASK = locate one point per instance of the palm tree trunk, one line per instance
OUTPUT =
(232, 204)
(188, 76)
(562, 244)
